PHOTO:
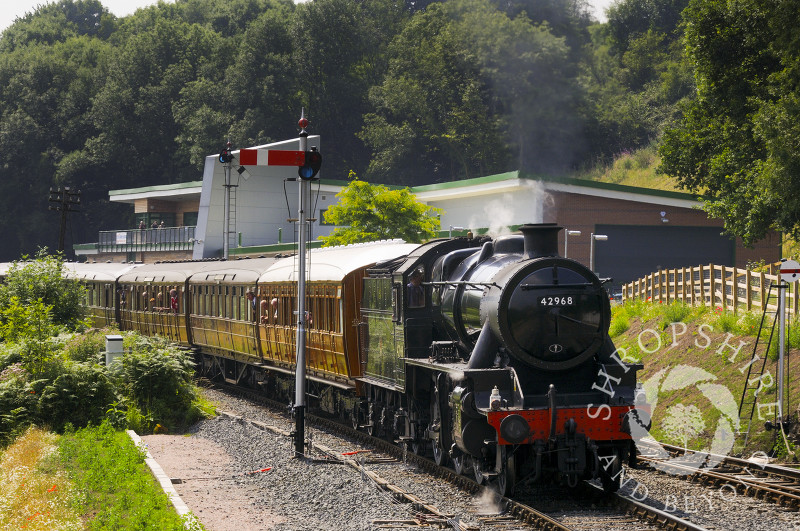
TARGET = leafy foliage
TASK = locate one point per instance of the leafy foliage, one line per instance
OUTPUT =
(55, 380)
(367, 212)
(434, 91)
(80, 395)
(37, 287)
(735, 142)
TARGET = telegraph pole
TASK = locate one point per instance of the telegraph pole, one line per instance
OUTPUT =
(65, 200)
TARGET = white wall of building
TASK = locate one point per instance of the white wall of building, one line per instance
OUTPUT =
(261, 204)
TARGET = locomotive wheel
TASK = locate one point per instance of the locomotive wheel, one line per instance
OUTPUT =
(439, 452)
(355, 416)
(476, 469)
(505, 481)
(372, 420)
(462, 464)
(439, 455)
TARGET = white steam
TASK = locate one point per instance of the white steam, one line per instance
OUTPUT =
(524, 206)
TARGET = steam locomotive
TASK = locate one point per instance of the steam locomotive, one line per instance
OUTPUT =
(493, 354)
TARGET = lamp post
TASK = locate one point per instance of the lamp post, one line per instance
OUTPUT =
(594, 238)
(567, 234)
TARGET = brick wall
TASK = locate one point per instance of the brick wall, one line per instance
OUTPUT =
(585, 212)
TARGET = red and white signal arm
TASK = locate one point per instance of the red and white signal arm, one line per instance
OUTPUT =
(790, 271)
(271, 157)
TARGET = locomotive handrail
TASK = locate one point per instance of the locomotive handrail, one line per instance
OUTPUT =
(462, 283)
(528, 287)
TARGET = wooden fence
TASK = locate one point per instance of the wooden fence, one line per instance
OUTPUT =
(712, 285)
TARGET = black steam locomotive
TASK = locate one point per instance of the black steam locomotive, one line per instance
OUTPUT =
(505, 367)
(492, 353)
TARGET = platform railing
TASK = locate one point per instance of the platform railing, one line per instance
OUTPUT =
(158, 239)
(717, 286)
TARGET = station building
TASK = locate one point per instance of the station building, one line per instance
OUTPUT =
(624, 232)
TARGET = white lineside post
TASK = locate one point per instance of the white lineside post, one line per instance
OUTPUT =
(789, 272)
(567, 234)
(300, 376)
(781, 343)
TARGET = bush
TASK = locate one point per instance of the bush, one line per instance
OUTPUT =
(88, 346)
(80, 395)
(619, 324)
(157, 380)
(726, 321)
(41, 279)
(676, 312)
(18, 402)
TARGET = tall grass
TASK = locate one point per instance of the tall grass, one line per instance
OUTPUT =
(115, 485)
(31, 497)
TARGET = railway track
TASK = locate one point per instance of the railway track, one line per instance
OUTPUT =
(771, 483)
(620, 512)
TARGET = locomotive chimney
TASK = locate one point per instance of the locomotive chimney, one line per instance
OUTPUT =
(540, 240)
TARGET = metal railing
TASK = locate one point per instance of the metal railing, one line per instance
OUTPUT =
(160, 239)
(718, 286)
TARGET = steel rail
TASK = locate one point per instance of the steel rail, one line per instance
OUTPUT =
(650, 514)
(515, 509)
(741, 474)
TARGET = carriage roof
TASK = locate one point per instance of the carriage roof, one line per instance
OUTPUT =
(107, 272)
(198, 272)
(334, 263)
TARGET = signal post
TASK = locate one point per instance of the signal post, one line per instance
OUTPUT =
(308, 162)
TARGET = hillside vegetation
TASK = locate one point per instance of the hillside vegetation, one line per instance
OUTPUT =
(434, 91)
(695, 362)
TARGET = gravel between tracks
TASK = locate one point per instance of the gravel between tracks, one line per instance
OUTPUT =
(711, 508)
(213, 457)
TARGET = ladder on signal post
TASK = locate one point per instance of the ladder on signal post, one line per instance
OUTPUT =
(753, 382)
(230, 230)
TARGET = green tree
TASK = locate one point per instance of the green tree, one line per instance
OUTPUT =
(40, 281)
(367, 212)
(342, 56)
(736, 142)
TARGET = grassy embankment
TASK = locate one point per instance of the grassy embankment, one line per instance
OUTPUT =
(94, 478)
(695, 362)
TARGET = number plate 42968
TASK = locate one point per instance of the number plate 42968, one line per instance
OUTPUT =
(556, 301)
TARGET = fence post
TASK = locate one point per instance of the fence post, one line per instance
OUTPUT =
(761, 282)
(723, 272)
(748, 290)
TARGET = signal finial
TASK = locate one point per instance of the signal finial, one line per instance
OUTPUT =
(303, 122)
